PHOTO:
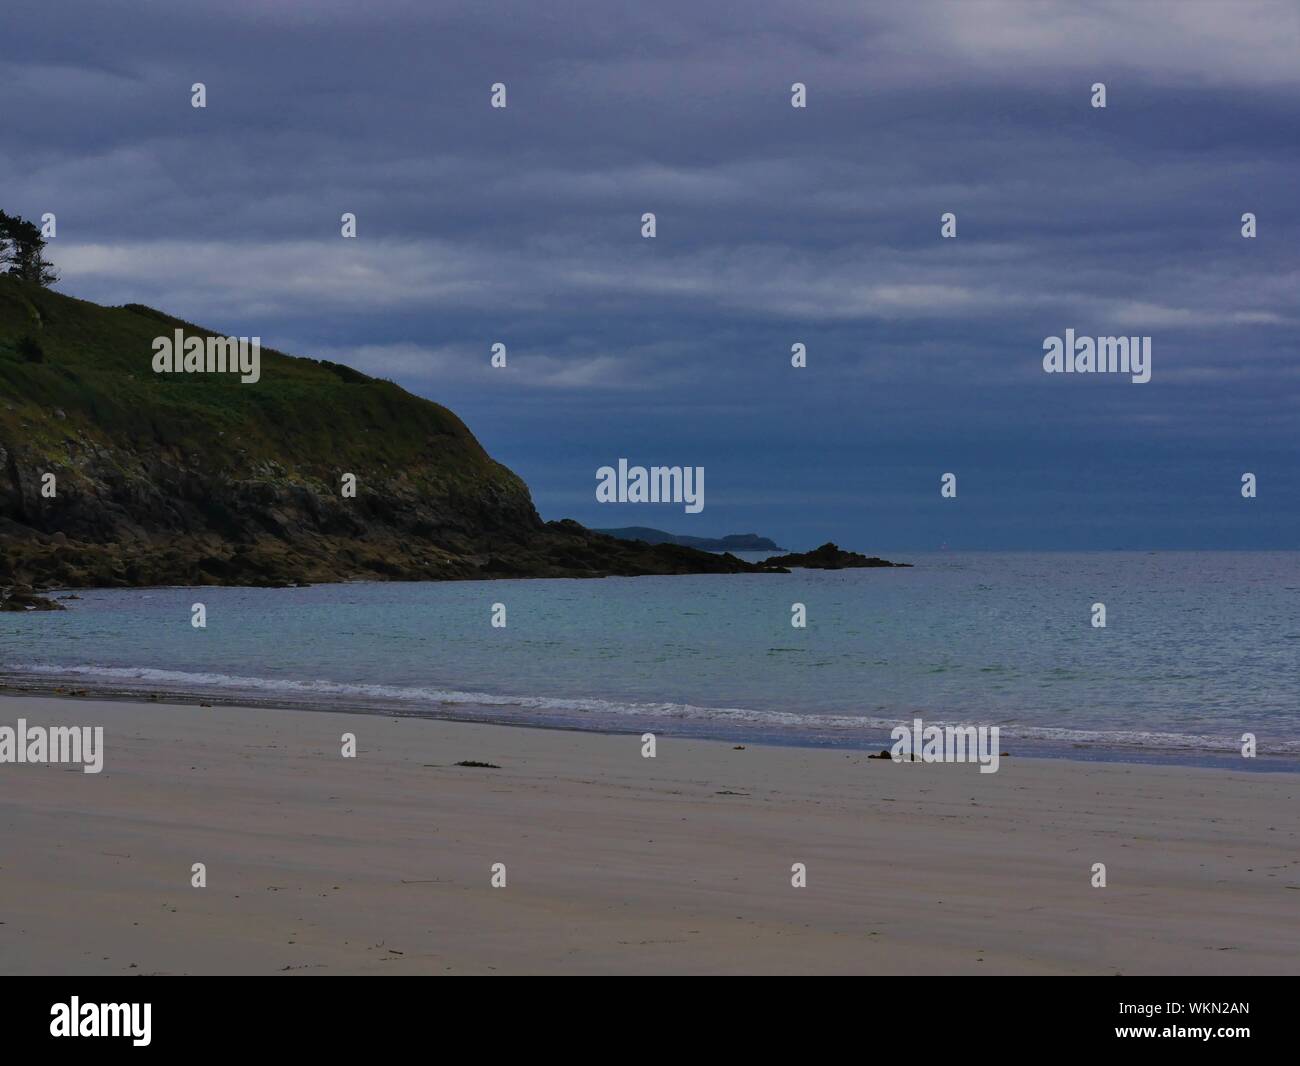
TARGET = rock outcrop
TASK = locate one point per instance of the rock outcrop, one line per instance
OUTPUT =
(828, 557)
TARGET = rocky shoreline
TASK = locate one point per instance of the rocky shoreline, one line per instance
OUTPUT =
(557, 550)
(45, 562)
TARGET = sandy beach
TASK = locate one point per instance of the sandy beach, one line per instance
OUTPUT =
(617, 863)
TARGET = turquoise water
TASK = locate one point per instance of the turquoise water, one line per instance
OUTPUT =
(1199, 648)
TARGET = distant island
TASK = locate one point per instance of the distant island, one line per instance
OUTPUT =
(115, 475)
(828, 557)
(733, 542)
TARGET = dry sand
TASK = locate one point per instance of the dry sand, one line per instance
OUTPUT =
(618, 864)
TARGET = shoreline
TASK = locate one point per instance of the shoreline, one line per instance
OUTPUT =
(72, 687)
(618, 863)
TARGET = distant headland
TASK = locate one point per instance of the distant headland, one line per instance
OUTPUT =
(733, 542)
(112, 475)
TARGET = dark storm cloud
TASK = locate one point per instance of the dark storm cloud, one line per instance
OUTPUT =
(775, 225)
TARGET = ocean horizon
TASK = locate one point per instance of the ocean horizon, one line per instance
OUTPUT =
(1199, 648)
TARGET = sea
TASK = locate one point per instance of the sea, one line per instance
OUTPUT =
(1198, 649)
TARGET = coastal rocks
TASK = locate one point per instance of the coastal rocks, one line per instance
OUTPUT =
(23, 598)
(828, 557)
(558, 549)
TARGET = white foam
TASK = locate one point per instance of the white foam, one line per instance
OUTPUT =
(361, 694)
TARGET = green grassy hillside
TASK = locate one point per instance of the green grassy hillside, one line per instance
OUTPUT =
(93, 364)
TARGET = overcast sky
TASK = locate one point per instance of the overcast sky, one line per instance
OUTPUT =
(776, 225)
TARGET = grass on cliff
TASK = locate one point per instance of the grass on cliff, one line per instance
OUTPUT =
(315, 418)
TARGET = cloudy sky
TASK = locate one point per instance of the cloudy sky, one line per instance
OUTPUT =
(776, 225)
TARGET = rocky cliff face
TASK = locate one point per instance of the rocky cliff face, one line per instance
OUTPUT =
(111, 474)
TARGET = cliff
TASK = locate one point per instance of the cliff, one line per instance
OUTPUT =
(201, 479)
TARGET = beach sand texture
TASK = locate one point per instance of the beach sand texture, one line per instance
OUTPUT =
(616, 863)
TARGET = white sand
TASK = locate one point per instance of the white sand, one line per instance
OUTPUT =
(619, 864)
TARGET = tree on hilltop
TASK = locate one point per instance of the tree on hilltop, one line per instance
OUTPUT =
(22, 251)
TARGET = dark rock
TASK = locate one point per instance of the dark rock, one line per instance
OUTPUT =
(22, 598)
(828, 557)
